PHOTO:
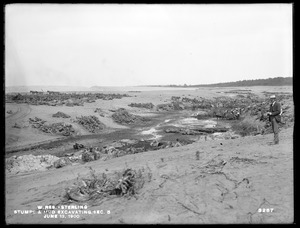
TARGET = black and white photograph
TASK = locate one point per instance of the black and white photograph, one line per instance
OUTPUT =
(148, 113)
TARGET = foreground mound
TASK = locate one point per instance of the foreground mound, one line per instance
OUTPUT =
(29, 162)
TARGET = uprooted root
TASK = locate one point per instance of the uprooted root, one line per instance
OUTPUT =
(244, 160)
(124, 183)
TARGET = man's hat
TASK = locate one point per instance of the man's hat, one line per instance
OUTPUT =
(272, 96)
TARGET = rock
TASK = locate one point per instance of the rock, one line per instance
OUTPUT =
(62, 162)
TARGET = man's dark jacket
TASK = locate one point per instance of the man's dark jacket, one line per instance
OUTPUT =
(275, 111)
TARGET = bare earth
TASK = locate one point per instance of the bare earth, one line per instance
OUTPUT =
(255, 176)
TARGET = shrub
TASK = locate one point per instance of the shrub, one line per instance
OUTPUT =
(248, 126)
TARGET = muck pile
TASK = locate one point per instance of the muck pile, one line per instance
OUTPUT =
(55, 128)
(91, 123)
(122, 116)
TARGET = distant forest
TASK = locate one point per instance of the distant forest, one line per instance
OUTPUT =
(279, 81)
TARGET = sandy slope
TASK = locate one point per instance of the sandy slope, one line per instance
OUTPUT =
(180, 189)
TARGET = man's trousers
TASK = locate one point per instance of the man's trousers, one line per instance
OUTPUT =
(275, 128)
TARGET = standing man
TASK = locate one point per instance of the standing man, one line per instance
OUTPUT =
(275, 117)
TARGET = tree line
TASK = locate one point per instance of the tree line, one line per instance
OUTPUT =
(278, 81)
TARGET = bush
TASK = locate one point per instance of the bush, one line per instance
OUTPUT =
(248, 126)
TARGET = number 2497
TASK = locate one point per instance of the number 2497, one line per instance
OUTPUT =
(265, 210)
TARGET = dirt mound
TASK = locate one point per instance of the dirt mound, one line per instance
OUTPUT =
(29, 162)
(61, 114)
(122, 116)
(26, 163)
(91, 123)
(55, 128)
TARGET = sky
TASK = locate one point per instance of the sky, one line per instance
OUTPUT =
(132, 44)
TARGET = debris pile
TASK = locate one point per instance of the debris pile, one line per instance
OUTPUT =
(120, 148)
(234, 108)
(26, 163)
(196, 131)
(91, 123)
(213, 166)
(122, 116)
(192, 104)
(61, 162)
(95, 188)
(90, 155)
(279, 95)
(53, 98)
(60, 115)
(55, 128)
(77, 146)
(124, 147)
(100, 112)
(22, 124)
(244, 161)
(174, 105)
(142, 105)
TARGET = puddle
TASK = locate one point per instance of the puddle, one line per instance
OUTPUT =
(155, 131)
(152, 131)
(217, 133)
(194, 122)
